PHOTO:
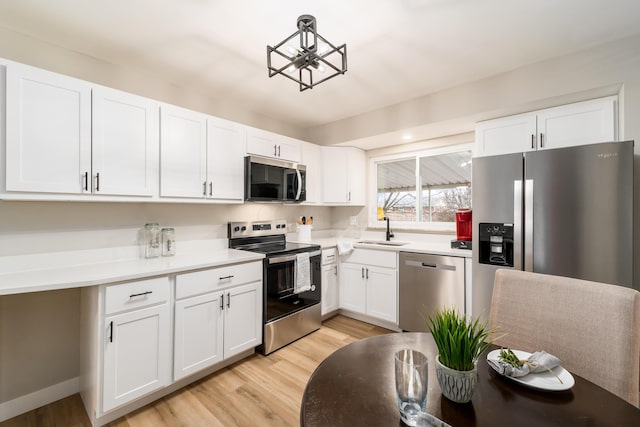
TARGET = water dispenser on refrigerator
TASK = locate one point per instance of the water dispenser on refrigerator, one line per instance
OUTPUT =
(496, 244)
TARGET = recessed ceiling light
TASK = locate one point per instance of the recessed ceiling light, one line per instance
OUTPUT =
(406, 137)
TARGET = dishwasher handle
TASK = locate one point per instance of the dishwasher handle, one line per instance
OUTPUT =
(430, 265)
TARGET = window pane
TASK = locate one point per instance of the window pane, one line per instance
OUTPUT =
(445, 182)
(397, 190)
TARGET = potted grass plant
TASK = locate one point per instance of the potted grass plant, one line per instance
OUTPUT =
(460, 342)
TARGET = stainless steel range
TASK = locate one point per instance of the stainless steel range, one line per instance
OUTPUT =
(291, 280)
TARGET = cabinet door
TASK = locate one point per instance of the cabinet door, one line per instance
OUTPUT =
(225, 159)
(183, 160)
(581, 123)
(125, 143)
(198, 334)
(312, 159)
(334, 172)
(269, 144)
(352, 287)
(136, 354)
(382, 293)
(242, 318)
(356, 176)
(48, 131)
(329, 288)
(506, 135)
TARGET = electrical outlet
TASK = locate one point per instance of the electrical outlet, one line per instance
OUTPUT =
(353, 220)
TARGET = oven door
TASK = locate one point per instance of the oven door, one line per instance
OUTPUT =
(280, 297)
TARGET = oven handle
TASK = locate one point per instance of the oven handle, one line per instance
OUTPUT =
(287, 258)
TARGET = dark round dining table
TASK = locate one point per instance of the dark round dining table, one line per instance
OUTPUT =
(355, 386)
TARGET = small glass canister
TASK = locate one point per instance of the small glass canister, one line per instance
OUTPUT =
(168, 242)
(152, 240)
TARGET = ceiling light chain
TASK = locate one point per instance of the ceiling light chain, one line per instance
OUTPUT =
(314, 54)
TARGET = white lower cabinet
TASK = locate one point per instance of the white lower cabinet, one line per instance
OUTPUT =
(220, 323)
(369, 285)
(136, 354)
(128, 333)
(136, 340)
(329, 281)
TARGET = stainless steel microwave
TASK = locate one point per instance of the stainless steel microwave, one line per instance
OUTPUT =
(272, 180)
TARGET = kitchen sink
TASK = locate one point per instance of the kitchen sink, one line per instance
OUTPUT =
(382, 242)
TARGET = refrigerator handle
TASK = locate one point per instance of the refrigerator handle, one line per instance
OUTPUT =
(528, 225)
(517, 224)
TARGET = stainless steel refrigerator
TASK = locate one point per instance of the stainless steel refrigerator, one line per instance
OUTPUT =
(565, 211)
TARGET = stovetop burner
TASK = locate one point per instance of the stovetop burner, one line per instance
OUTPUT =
(266, 237)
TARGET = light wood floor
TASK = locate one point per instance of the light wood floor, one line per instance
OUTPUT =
(257, 391)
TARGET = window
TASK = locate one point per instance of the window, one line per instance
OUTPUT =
(423, 190)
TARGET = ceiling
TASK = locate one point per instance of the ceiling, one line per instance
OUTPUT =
(397, 49)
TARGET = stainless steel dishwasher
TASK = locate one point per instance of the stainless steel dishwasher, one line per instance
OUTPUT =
(428, 282)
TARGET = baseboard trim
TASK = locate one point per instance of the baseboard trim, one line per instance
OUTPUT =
(31, 401)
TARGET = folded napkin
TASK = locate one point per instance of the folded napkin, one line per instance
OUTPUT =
(540, 361)
(425, 419)
(344, 246)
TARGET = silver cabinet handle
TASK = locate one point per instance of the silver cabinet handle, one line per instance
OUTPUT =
(229, 300)
(204, 188)
(111, 331)
(533, 141)
(221, 278)
(278, 150)
(275, 150)
(141, 294)
(211, 188)
(363, 272)
(367, 273)
(98, 181)
(541, 141)
(86, 181)
(335, 270)
(221, 302)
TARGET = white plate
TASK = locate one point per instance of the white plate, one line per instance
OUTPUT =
(543, 380)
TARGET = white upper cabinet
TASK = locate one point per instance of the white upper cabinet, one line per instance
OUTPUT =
(225, 159)
(312, 159)
(568, 125)
(512, 134)
(69, 137)
(344, 175)
(124, 143)
(48, 125)
(183, 151)
(268, 144)
(582, 123)
(201, 156)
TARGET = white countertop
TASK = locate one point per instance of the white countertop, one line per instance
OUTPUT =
(434, 248)
(90, 273)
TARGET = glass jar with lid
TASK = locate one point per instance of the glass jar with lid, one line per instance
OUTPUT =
(168, 242)
(152, 240)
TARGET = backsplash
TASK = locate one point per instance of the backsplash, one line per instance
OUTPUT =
(38, 227)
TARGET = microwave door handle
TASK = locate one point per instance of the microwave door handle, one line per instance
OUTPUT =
(299, 175)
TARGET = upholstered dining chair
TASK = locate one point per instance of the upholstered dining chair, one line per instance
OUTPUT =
(594, 328)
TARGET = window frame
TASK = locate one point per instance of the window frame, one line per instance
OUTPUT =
(437, 227)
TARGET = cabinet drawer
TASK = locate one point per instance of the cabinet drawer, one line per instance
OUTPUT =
(214, 279)
(329, 256)
(372, 257)
(136, 295)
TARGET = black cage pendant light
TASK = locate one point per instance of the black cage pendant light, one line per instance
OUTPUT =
(306, 57)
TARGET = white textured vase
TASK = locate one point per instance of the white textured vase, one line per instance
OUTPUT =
(457, 386)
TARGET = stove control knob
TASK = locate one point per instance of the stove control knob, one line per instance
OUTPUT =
(244, 228)
(236, 228)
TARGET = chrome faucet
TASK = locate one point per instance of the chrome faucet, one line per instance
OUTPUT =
(389, 234)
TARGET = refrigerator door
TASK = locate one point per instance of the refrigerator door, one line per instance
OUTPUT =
(496, 180)
(580, 222)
